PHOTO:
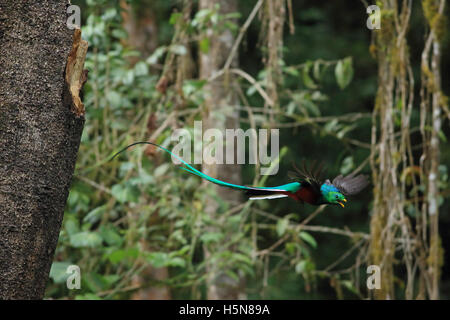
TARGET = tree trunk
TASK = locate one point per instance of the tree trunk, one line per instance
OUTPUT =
(391, 150)
(139, 21)
(220, 94)
(41, 122)
(396, 175)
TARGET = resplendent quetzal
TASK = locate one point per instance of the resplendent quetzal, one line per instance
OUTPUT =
(308, 188)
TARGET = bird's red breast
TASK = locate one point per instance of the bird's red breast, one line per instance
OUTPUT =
(305, 194)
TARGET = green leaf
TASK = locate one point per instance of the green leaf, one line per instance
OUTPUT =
(87, 296)
(291, 108)
(210, 237)
(178, 49)
(71, 225)
(95, 215)
(307, 80)
(114, 99)
(242, 258)
(311, 107)
(157, 259)
(176, 262)
(119, 33)
(110, 235)
(347, 165)
(161, 170)
(331, 126)
(157, 54)
(174, 17)
(316, 71)
(122, 254)
(291, 71)
(308, 239)
(250, 91)
(95, 282)
(232, 275)
(290, 247)
(111, 279)
(344, 130)
(85, 239)
(58, 271)
(344, 72)
(192, 86)
(442, 136)
(349, 285)
(300, 267)
(119, 192)
(200, 16)
(318, 96)
(128, 78)
(141, 69)
(281, 227)
(109, 14)
(127, 193)
(204, 45)
(233, 15)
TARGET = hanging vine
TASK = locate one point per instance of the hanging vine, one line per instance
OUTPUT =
(432, 100)
(404, 224)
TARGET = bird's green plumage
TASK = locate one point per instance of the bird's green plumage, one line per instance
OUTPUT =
(330, 194)
(291, 187)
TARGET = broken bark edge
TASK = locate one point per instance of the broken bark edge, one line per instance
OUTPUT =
(75, 75)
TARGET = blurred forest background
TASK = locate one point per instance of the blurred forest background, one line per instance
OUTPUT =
(373, 101)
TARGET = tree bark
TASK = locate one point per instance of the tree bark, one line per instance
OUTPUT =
(389, 154)
(41, 122)
(139, 20)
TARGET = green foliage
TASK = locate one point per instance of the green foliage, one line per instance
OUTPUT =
(344, 72)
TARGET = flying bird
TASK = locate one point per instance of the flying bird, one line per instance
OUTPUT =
(309, 187)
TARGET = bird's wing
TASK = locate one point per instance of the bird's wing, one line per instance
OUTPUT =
(253, 192)
(351, 184)
(311, 177)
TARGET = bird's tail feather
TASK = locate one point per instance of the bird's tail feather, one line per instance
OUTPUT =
(191, 169)
(271, 196)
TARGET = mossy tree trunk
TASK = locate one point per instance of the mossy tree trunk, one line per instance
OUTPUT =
(41, 121)
(406, 188)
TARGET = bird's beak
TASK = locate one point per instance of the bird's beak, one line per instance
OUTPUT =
(341, 204)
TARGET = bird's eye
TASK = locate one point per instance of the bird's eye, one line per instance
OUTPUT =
(337, 197)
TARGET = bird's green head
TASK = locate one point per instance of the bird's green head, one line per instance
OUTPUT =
(331, 195)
